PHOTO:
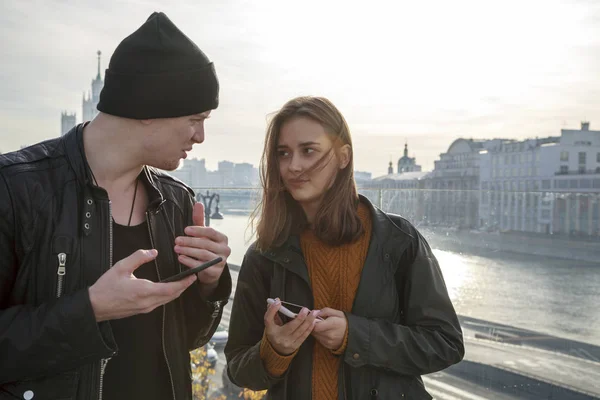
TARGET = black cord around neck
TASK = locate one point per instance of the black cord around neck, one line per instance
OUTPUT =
(133, 202)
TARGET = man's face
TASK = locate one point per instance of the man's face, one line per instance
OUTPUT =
(170, 139)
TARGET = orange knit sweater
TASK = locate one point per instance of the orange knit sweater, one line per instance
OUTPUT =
(335, 274)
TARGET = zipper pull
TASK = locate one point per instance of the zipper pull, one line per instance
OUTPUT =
(103, 363)
(62, 264)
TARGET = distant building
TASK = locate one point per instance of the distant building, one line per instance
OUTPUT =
(362, 177)
(509, 169)
(224, 175)
(245, 175)
(192, 172)
(549, 185)
(400, 194)
(576, 183)
(67, 121)
(452, 187)
(406, 163)
(89, 103)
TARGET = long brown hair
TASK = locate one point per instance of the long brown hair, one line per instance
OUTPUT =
(278, 214)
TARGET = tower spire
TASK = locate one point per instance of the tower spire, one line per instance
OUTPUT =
(405, 149)
(99, 54)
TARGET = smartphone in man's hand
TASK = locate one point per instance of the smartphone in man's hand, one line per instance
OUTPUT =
(191, 271)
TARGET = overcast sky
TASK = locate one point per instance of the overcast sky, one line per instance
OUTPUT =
(427, 71)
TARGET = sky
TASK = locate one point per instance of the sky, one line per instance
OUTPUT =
(424, 72)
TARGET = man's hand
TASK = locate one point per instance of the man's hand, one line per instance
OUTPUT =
(330, 333)
(286, 338)
(203, 244)
(119, 294)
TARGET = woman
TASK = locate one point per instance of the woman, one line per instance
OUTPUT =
(381, 315)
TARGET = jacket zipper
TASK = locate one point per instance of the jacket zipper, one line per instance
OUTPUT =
(164, 310)
(104, 361)
(62, 270)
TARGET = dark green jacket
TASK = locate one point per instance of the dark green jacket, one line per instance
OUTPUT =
(402, 324)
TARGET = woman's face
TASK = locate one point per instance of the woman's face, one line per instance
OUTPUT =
(302, 143)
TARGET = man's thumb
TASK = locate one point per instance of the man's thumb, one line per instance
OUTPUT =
(137, 259)
(198, 214)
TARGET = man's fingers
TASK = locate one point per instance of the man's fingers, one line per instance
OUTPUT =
(136, 260)
(199, 243)
(198, 255)
(173, 289)
(150, 295)
(206, 232)
(209, 273)
(198, 214)
(163, 290)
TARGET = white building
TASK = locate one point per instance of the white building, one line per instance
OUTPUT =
(509, 174)
(451, 197)
(575, 183)
(549, 185)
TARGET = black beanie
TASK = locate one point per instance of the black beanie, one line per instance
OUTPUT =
(158, 72)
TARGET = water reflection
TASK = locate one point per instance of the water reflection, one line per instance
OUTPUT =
(552, 296)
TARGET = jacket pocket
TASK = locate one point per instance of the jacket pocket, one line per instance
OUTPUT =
(57, 387)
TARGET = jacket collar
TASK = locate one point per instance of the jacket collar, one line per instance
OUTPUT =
(75, 153)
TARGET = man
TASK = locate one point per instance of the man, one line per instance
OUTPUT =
(89, 226)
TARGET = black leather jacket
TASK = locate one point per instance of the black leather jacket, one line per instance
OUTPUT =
(55, 242)
(402, 324)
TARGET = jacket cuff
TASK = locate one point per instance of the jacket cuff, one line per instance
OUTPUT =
(359, 343)
(276, 364)
(222, 292)
(102, 332)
